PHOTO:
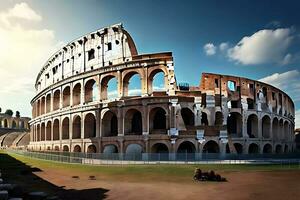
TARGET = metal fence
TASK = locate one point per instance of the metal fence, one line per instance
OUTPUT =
(161, 158)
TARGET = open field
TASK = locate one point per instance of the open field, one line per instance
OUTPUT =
(74, 181)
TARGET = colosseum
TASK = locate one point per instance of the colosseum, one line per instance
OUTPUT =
(72, 110)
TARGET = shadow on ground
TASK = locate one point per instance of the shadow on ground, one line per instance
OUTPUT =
(16, 172)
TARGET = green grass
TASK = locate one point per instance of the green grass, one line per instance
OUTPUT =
(148, 172)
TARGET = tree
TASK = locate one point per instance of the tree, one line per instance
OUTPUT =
(9, 112)
(17, 114)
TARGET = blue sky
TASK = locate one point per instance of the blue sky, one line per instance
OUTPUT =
(260, 39)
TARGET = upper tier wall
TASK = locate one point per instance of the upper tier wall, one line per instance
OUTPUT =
(108, 46)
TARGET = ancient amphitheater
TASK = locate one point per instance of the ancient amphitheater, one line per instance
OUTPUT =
(14, 131)
(223, 114)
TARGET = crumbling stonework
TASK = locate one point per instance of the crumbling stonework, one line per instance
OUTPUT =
(224, 114)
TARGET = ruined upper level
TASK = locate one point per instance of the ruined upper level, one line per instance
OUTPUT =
(246, 93)
(104, 47)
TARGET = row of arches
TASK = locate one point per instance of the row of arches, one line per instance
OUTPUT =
(5, 123)
(185, 147)
(133, 125)
(104, 89)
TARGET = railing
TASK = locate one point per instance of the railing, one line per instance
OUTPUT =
(163, 158)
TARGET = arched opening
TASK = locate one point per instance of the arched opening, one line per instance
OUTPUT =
(252, 126)
(56, 100)
(48, 131)
(186, 147)
(14, 124)
(133, 149)
(204, 119)
(253, 149)
(133, 122)
(76, 127)
(157, 121)
(43, 105)
(5, 123)
(56, 148)
(66, 96)
(278, 149)
(109, 88)
(238, 147)
(76, 94)
(286, 130)
(211, 147)
(159, 148)
(156, 81)
(218, 118)
(275, 129)
(91, 149)
(188, 117)
(267, 148)
(266, 125)
(66, 148)
(280, 131)
(38, 130)
(109, 124)
(48, 103)
(91, 91)
(234, 124)
(286, 148)
(186, 151)
(43, 132)
(89, 126)
(56, 129)
(109, 149)
(132, 84)
(77, 149)
(65, 128)
(38, 108)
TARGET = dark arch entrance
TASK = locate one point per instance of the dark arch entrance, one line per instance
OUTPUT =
(77, 149)
(253, 149)
(89, 126)
(77, 128)
(234, 124)
(159, 148)
(211, 147)
(267, 148)
(157, 118)
(133, 122)
(186, 151)
(239, 148)
(252, 126)
(109, 124)
(91, 149)
(188, 117)
(278, 149)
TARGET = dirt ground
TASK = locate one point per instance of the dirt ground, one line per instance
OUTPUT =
(263, 185)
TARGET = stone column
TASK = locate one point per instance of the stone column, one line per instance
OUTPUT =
(120, 84)
(120, 122)
(98, 124)
(145, 115)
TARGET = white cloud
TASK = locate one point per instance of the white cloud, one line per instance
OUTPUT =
(210, 49)
(264, 46)
(23, 51)
(223, 46)
(297, 117)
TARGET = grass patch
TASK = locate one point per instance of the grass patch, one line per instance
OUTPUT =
(159, 172)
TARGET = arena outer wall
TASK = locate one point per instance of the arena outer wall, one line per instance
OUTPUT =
(224, 114)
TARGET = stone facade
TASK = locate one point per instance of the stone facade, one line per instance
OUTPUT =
(224, 114)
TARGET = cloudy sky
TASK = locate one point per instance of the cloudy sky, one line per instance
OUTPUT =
(254, 39)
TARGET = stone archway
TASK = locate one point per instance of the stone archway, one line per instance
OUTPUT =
(109, 124)
(89, 126)
(66, 148)
(252, 126)
(110, 149)
(238, 147)
(157, 121)
(65, 128)
(188, 117)
(211, 147)
(266, 125)
(76, 127)
(253, 149)
(56, 129)
(267, 149)
(234, 124)
(91, 91)
(77, 149)
(76, 94)
(92, 149)
(133, 124)
(66, 96)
